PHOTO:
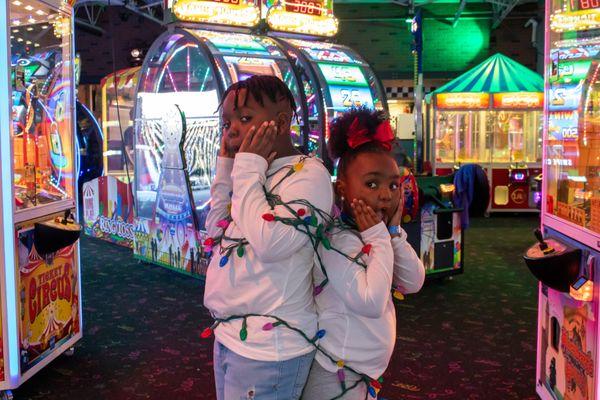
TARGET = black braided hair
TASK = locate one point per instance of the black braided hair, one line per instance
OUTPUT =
(338, 146)
(258, 86)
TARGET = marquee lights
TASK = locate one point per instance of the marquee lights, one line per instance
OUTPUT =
(575, 20)
(324, 24)
(475, 101)
(232, 12)
(518, 100)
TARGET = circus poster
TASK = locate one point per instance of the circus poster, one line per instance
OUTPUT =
(48, 299)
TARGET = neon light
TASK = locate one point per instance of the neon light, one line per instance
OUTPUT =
(7, 203)
(518, 100)
(281, 20)
(245, 14)
(471, 101)
(575, 20)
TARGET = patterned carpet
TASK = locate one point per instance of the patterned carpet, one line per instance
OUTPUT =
(472, 337)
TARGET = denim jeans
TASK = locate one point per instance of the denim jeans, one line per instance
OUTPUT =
(325, 385)
(240, 378)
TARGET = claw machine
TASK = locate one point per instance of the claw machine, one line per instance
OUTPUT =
(39, 254)
(491, 116)
(567, 256)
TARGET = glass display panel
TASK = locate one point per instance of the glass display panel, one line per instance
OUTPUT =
(572, 174)
(517, 136)
(118, 97)
(462, 136)
(42, 124)
(177, 73)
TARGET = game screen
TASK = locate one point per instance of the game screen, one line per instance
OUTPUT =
(347, 86)
(573, 138)
(42, 124)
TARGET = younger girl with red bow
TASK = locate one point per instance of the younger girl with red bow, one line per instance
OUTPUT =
(354, 300)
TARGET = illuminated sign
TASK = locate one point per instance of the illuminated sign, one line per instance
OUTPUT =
(569, 71)
(564, 97)
(563, 125)
(575, 21)
(476, 101)
(584, 4)
(304, 7)
(518, 100)
(344, 97)
(310, 17)
(321, 51)
(226, 12)
(343, 75)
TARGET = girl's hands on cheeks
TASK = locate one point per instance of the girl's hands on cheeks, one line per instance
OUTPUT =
(364, 215)
(396, 219)
(261, 141)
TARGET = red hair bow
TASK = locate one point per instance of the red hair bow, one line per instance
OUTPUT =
(359, 135)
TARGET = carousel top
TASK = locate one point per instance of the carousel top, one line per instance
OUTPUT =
(499, 75)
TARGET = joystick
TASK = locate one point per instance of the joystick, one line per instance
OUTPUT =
(542, 243)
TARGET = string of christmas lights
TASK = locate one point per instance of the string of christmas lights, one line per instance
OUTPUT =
(306, 220)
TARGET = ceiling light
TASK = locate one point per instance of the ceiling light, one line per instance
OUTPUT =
(40, 12)
(16, 22)
(17, 3)
(29, 29)
(28, 42)
(31, 20)
(12, 37)
(36, 45)
(28, 8)
(44, 26)
(15, 31)
(19, 40)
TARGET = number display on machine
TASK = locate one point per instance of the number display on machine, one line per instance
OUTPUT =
(584, 4)
(306, 7)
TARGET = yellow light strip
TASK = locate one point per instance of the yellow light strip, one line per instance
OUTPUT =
(281, 20)
(246, 14)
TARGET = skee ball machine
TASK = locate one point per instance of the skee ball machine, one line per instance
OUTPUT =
(39, 254)
(567, 255)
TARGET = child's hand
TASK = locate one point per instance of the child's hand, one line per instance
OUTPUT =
(397, 217)
(364, 215)
(261, 141)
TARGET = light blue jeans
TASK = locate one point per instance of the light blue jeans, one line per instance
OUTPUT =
(240, 378)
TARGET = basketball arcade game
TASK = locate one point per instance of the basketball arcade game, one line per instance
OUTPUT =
(40, 289)
(566, 260)
(192, 65)
(490, 116)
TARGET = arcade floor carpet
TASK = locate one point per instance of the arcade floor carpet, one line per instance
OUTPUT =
(472, 337)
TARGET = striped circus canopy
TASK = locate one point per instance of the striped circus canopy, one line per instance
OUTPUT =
(497, 74)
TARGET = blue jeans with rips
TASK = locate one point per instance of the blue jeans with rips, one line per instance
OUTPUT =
(240, 378)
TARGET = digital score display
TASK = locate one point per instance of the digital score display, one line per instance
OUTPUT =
(584, 4)
(307, 7)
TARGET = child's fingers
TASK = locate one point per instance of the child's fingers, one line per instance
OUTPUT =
(248, 138)
(372, 214)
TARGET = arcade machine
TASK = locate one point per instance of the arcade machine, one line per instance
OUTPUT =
(89, 144)
(191, 65)
(108, 200)
(567, 255)
(491, 116)
(39, 279)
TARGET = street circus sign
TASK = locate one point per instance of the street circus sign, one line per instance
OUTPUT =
(108, 210)
(115, 227)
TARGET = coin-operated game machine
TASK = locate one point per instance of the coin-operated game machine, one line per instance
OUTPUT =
(39, 255)
(491, 116)
(567, 256)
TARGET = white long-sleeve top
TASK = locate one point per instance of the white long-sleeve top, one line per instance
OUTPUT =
(274, 275)
(355, 308)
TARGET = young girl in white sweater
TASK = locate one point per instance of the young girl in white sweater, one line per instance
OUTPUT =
(353, 297)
